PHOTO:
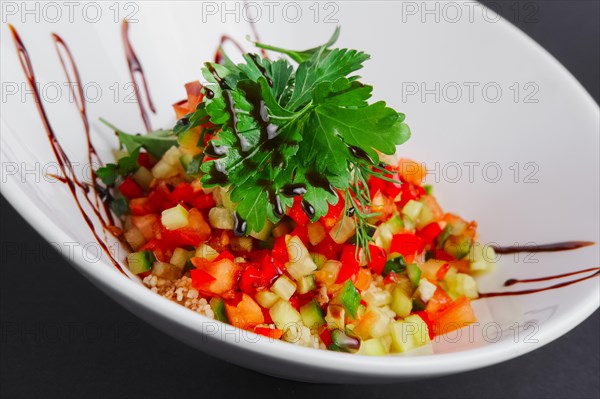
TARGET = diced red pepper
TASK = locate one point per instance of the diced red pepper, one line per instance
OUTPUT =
(302, 233)
(326, 337)
(159, 198)
(328, 248)
(203, 201)
(130, 189)
(143, 159)
(160, 250)
(249, 279)
(182, 193)
(410, 192)
(280, 253)
(350, 265)
(378, 258)
(430, 232)
(387, 188)
(333, 214)
(295, 302)
(224, 255)
(141, 206)
(273, 333)
(200, 278)
(297, 213)
(267, 315)
(440, 254)
(406, 244)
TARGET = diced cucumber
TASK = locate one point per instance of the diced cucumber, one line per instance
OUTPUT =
(344, 342)
(335, 317)
(385, 231)
(401, 303)
(483, 258)
(164, 170)
(342, 230)
(174, 218)
(395, 224)
(185, 160)
(374, 323)
(410, 333)
(241, 244)
(372, 347)
(316, 232)
(284, 287)
(307, 284)
(301, 263)
(221, 218)
(458, 247)
(460, 284)
(207, 252)
(396, 265)
(412, 209)
(166, 270)
(265, 233)
(140, 262)
(312, 315)
(180, 257)
(134, 238)
(348, 297)
(318, 259)
(426, 216)
(418, 304)
(414, 274)
(218, 307)
(441, 239)
(284, 315)
(377, 297)
(428, 189)
(329, 272)
(143, 177)
(266, 299)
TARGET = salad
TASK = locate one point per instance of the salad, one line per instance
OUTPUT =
(277, 204)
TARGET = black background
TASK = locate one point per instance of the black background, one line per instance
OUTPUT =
(61, 337)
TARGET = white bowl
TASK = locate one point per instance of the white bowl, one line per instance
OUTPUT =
(548, 133)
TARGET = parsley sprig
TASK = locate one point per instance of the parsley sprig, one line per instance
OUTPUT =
(309, 125)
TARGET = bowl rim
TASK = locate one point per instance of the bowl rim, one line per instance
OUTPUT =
(383, 367)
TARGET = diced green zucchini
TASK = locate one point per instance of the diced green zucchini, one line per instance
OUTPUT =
(180, 257)
(409, 334)
(266, 299)
(307, 284)
(428, 189)
(218, 307)
(312, 315)
(140, 262)
(348, 297)
(401, 303)
(185, 160)
(414, 274)
(284, 287)
(344, 342)
(372, 347)
(166, 270)
(318, 259)
(412, 209)
(418, 304)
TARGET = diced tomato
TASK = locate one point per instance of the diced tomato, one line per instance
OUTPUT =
(159, 198)
(441, 272)
(245, 314)
(248, 280)
(333, 214)
(200, 278)
(411, 171)
(363, 279)
(430, 232)
(425, 317)
(267, 315)
(196, 232)
(144, 160)
(387, 188)
(328, 248)
(442, 255)
(141, 206)
(225, 273)
(182, 193)
(130, 189)
(409, 192)
(438, 302)
(378, 258)
(456, 315)
(350, 265)
(161, 252)
(149, 225)
(224, 255)
(274, 333)
(280, 253)
(295, 302)
(297, 213)
(203, 201)
(406, 244)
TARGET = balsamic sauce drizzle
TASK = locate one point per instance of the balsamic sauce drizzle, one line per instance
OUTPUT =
(63, 160)
(559, 246)
(136, 67)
